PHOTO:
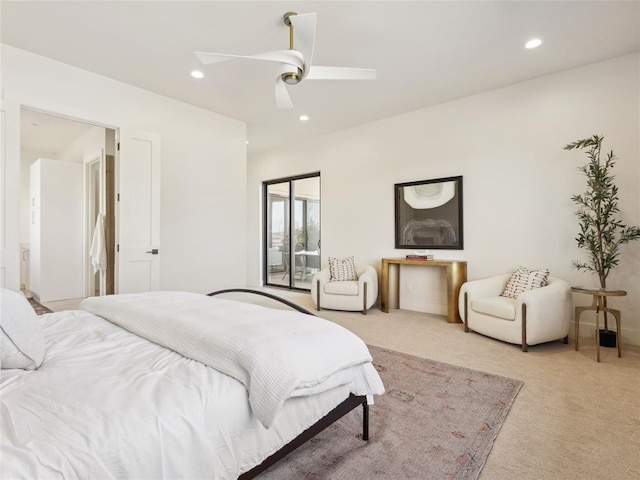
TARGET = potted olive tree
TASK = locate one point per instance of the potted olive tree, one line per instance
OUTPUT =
(601, 231)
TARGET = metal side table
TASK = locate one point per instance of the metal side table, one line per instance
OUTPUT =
(599, 296)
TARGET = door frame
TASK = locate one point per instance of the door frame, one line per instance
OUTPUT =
(11, 133)
(290, 227)
(89, 190)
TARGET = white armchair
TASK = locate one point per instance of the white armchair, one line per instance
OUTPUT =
(350, 295)
(535, 316)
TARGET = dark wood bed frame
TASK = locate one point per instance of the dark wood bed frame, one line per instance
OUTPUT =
(352, 402)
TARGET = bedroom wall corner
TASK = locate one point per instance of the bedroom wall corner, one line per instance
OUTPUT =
(518, 181)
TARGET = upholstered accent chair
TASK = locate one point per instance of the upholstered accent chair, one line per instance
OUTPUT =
(350, 295)
(532, 317)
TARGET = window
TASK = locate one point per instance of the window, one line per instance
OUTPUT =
(291, 248)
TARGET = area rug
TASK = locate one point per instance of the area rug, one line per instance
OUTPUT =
(38, 307)
(436, 421)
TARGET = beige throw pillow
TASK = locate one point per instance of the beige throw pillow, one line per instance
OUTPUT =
(525, 279)
(342, 269)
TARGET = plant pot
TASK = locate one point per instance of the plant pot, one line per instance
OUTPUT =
(608, 338)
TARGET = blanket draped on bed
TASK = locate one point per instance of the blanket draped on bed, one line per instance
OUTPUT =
(275, 354)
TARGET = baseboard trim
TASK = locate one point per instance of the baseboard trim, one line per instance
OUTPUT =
(588, 330)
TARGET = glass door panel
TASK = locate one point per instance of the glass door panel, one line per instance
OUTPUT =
(277, 237)
(306, 230)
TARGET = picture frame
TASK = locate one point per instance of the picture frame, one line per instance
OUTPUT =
(428, 214)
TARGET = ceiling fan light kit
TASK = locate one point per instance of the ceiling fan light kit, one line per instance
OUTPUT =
(295, 64)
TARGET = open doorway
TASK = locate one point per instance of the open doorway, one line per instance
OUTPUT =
(58, 216)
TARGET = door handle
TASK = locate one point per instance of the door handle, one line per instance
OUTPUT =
(153, 252)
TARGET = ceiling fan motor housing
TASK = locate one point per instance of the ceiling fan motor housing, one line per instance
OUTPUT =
(292, 78)
(287, 18)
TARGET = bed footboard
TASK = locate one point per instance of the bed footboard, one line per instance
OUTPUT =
(264, 294)
(352, 402)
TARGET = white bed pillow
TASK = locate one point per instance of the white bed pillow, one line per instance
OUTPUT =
(21, 337)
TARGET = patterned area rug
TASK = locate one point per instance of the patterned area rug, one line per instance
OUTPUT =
(436, 421)
(38, 307)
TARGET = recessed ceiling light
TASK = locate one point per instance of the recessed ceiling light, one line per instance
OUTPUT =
(304, 118)
(247, 142)
(197, 74)
(533, 43)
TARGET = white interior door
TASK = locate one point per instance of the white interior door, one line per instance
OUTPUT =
(138, 224)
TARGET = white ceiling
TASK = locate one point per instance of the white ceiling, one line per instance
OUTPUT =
(426, 52)
(47, 135)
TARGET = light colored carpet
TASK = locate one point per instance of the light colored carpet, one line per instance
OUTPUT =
(573, 418)
(436, 421)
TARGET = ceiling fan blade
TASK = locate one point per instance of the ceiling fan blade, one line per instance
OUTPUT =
(341, 73)
(304, 30)
(208, 58)
(289, 57)
(283, 100)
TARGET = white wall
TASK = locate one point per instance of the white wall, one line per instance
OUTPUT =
(518, 180)
(203, 219)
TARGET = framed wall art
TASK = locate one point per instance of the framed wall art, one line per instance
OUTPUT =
(429, 214)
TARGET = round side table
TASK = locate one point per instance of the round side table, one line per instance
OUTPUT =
(599, 296)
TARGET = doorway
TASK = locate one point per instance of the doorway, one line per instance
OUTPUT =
(92, 148)
(291, 249)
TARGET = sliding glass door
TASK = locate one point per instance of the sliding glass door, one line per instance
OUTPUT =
(292, 231)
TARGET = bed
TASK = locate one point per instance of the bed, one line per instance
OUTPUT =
(171, 385)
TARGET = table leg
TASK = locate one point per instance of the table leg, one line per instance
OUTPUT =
(456, 276)
(616, 315)
(384, 301)
(578, 313)
(577, 326)
(396, 287)
(598, 333)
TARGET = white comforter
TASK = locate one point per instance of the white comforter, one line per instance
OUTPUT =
(107, 404)
(276, 354)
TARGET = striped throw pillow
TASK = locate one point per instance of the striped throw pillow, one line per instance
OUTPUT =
(525, 279)
(342, 269)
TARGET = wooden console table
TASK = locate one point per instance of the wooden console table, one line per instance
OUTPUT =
(456, 276)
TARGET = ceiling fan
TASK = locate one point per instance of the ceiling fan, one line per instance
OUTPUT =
(295, 64)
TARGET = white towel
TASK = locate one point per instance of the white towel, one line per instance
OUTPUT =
(98, 252)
